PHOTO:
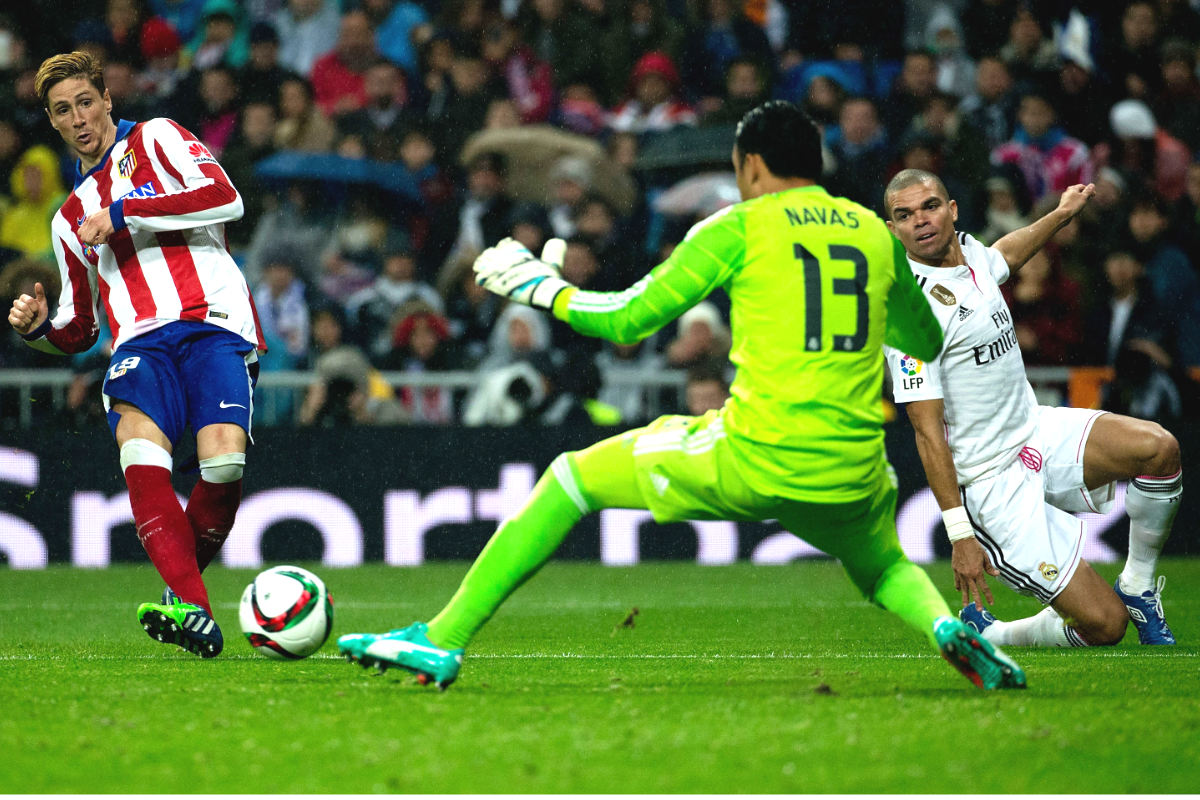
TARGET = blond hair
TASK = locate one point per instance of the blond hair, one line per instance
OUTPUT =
(56, 69)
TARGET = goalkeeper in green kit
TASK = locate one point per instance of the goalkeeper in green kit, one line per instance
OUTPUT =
(817, 286)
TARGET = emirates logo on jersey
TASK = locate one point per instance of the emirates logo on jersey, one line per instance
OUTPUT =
(200, 154)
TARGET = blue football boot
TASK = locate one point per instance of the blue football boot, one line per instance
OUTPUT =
(1146, 611)
(976, 619)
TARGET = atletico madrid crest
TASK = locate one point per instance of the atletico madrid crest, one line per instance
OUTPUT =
(127, 164)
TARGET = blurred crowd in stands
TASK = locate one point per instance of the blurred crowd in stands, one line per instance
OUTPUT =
(380, 145)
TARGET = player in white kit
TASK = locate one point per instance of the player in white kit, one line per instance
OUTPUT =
(1006, 472)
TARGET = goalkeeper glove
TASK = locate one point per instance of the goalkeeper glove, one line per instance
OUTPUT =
(511, 271)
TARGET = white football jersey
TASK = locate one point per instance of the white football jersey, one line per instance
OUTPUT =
(979, 375)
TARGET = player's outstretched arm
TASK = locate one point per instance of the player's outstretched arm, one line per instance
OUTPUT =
(207, 196)
(911, 326)
(1020, 245)
(511, 271)
(707, 257)
(969, 561)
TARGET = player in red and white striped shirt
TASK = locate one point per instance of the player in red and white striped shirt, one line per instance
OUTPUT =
(143, 234)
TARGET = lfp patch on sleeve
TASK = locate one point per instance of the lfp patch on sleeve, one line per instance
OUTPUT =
(910, 365)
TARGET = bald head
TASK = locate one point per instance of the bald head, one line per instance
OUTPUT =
(911, 177)
(921, 215)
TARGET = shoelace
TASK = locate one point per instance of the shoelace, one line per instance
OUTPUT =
(1158, 587)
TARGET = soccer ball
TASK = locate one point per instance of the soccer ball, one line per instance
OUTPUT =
(286, 612)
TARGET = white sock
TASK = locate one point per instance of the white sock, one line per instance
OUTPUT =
(1044, 629)
(1151, 504)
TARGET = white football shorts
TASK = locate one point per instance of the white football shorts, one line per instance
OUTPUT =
(1023, 516)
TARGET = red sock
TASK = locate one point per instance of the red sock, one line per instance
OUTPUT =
(211, 510)
(164, 531)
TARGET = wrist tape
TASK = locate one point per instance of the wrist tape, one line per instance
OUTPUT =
(958, 526)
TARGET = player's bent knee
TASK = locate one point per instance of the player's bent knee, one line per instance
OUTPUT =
(564, 472)
(603, 476)
(1166, 451)
(143, 452)
(1103, 621)
(1156, 451)
(1105, 631)
(872, 578)
(225, 468)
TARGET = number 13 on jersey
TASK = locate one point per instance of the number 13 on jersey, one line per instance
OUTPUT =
(814, 298)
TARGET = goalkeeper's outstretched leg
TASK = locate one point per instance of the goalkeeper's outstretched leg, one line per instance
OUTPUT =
(518, 549)
(680, 468)
(862, 535)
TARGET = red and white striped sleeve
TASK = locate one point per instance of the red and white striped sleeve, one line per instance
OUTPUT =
(200, 193)
(73, 328)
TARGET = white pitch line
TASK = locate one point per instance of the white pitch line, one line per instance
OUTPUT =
(767, 656)
(614, 606)
(609, 656)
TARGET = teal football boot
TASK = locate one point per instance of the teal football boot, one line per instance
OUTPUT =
(408, 648)
(352, 645)
(983, 664)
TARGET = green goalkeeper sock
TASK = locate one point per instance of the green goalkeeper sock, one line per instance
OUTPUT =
(518, 548)
(906, 590)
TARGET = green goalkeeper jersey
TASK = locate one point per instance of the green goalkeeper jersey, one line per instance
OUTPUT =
(817, 284)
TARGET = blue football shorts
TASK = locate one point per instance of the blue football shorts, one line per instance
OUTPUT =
(184, 374)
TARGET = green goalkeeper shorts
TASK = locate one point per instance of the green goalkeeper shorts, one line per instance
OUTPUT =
(687, 468)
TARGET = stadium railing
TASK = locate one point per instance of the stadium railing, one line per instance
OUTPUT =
(29, 394)
(25, 393)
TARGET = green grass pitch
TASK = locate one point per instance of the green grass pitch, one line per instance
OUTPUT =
(732, 679)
